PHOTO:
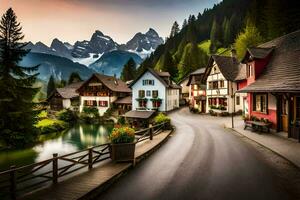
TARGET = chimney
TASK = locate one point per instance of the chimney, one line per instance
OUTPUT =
(233, 53)
(115, 79)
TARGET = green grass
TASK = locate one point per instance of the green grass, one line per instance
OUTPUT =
(49, 122)
(205, 46)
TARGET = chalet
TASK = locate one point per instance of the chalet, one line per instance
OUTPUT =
(154, 90)
(63, 98)
(197, 90)
(222, 76)
(102, 91)
(273, 83)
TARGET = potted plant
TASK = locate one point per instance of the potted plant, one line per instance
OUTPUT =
(122, 146)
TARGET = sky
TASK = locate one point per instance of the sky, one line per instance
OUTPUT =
(73, 20)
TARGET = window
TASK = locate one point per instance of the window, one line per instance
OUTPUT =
(155, 93)
(237, 100)
(141, 93)
(260, 102)
(148, 82)
(90, 103)
(148, 93)
(195, 87)
(210, 85)
(103, 104)
(250, 71)
(215, 85)
(175, 102)
(221, 83)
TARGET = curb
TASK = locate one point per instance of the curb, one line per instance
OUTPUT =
(104, 186)
(291, 162)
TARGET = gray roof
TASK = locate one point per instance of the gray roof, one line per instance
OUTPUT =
(229, 66)
(139, 114)
(69, 91)
(159, 76)
(198, 71)
(124, 100)
(242, 74)
(282, 73)
(259, 52)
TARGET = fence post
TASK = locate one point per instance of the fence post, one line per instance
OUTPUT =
(13, 182)
(55, 168)
(151, 131)
(90, 158)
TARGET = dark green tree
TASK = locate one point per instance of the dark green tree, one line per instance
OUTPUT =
(74, 78)
(51, 86)
(184, 24)
(167, 64)
(215, 36)
(129, 71)
(175, 29)
(227, 33)
(17, 109)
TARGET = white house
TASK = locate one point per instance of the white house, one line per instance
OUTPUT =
(102, 91)
(223, 73)
(154, 90)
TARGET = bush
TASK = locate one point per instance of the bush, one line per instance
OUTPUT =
(43, 114)
(89, 114)
(66, 115)
(121, 120)
(18, 139)
(51, 125)
(122, 135)
(161, 118)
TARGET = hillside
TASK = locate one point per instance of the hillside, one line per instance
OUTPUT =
(215, 30)
(59, 67)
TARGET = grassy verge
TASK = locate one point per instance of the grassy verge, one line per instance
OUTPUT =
(48, 125)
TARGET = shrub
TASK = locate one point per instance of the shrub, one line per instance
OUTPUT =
(89, 114)
(43, 114)
(66, 115)
(50, 125)
(122, 135)
(121, 120)
(161, 118)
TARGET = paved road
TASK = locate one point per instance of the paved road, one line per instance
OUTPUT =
(202, 160)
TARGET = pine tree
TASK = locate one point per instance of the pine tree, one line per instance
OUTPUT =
(215, 36)
(129, 71)
(167, 64)
(175, 29)
(18, 115)
(184, 24)
(227, 33)
(50, 86)
(74, 78)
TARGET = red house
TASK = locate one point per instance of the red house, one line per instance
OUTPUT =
(273, 83)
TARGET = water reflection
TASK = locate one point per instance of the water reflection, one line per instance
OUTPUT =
(79, 137)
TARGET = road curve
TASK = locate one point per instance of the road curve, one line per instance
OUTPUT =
(202, 160)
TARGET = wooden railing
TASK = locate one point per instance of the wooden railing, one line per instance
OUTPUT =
(20, 180)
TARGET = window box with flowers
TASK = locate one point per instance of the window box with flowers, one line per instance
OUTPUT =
(156, 102)
(122, 146)
(142, 102)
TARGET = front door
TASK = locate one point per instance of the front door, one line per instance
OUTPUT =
(295, 117)
(284, 114)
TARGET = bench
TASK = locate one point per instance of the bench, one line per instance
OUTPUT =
(258, 126)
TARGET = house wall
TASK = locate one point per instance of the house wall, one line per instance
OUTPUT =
(172, 99)
(185, 90)
(101, 110)
(66, 103)
(157, 86)
(271, 115)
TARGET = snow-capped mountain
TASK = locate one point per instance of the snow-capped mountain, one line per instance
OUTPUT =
(144, 43)
(88, 51)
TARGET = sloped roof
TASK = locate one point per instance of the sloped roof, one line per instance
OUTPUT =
(242, 74)
(282, 73)
(69, 91)
(192, 79)
(112, 83)
(229, 66)
(139, 114)
(124, 100)
(259, 52)
(157, 75)
(198, 71)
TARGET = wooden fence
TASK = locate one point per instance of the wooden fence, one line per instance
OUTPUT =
(20, 180)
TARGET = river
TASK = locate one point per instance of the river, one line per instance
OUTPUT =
(80, 136)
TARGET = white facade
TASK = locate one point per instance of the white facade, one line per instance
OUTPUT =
(66, 103)
(102, 109)
(169, 97)
(221, 93)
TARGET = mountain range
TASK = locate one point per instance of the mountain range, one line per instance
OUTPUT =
(100, 53)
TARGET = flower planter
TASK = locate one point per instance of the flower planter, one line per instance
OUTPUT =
(122, 152)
